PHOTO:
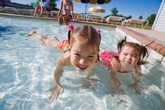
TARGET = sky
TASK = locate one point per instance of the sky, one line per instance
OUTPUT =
(134, 8)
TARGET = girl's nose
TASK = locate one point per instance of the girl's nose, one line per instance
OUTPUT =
(128, 56)
(82, 61)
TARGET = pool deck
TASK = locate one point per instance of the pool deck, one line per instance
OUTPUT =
(153, 39)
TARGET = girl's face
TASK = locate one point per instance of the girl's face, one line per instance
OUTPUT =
(83, 56)
(129, 55)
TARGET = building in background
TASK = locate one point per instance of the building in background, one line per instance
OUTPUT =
(116, 20)
(133, 23)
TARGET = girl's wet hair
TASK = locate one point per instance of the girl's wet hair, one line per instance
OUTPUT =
(87, 32)
(143, 52)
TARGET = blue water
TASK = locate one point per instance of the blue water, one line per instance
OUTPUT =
(26, 74)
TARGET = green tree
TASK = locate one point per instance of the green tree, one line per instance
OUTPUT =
(114, 12)
(150, 19)
(53, 4)
(33, 4)
(140, 17)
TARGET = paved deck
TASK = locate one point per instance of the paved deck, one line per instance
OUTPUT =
(158, 36)
(154, 40)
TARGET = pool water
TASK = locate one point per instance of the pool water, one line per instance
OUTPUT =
(27, 66)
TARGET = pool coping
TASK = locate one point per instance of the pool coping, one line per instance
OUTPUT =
(27, 16)
(55, 18)
(144, 39)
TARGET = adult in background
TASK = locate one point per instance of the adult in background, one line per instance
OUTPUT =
(66, 11)
(39, 8)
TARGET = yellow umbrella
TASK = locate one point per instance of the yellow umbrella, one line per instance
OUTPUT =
(94, 1)
(96, 9)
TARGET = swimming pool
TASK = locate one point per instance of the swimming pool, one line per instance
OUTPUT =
(26, 73)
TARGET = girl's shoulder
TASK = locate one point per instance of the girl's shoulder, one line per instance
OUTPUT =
(65, 60)
(107, 55)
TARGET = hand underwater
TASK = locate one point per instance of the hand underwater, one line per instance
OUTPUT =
(56, 92)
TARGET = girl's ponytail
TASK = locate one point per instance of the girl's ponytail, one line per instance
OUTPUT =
(121, 43)
(143, 53)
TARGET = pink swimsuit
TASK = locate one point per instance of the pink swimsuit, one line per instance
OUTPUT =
(64, 45)
(106, 57)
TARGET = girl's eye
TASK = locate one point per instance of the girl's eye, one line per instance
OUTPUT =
(134, 56)
(77, 54)
(90, 56)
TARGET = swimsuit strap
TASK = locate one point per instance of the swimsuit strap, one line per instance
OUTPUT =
(64, 45)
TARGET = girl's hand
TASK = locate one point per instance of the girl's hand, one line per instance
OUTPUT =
(56, 92)
(31, 34)
(137, 87)
(116, 86)
(117, 83)
(115, 64)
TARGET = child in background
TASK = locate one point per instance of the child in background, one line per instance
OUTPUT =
(39, 8)
(83, 51)
(128, 59)
(66, 11)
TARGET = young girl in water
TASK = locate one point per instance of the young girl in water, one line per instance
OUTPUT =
(83, 51)
(129, 58)
(66, 11)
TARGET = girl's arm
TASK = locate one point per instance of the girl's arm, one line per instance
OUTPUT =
(115, 81)
(46, 40)
(50, 42)
(115, 68)
(59, 71)
(137, 77)
(35, 34)
(58, 89)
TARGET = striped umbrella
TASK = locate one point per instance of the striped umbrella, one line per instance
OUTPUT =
(92, 2)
